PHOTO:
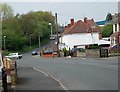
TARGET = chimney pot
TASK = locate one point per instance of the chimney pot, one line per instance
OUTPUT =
(69, 25)
(65, 27)
(85, 19)
(92, 19)
(72, 21)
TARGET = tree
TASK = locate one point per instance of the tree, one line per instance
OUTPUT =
(109, 16)
(107, 30)
(21, 30)
(14, 41)
(5, 11)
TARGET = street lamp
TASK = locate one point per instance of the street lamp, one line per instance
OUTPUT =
(4, 42)
(51, 41)
(51, 28)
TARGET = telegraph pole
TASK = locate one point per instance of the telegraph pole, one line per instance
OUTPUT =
(39, 40)
(57, 35)
(30, 39)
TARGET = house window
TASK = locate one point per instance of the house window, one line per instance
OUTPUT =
(112, 41)
(115, 27)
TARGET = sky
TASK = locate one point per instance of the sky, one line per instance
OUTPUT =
(59, 0)
(67, 9)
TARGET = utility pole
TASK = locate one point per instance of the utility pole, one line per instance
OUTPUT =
(39, 40)
(30, 40)
(57, 35)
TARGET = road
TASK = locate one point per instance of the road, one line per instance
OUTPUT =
(77, 73)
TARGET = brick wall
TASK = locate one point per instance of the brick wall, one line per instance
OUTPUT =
(93, 53)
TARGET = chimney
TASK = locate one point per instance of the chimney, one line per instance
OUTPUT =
(65, 27)
(69, 25)
(92, 19)
(72, 21)
(85, 19)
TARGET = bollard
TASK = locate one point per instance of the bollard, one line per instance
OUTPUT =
(13, 77)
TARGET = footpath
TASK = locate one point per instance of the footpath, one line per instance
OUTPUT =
(32, 80)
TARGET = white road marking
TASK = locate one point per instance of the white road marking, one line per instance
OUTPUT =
(59, 83)
(41, 72)
(47, 74)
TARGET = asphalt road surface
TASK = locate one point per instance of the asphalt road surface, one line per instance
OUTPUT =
(77, 73)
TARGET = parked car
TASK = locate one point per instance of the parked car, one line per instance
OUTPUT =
(115, 49)
(14, 55)
(34, 52)
(52, 38)
(78, 49)
(49, 51)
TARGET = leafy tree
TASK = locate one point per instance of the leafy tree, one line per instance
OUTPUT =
(21, 29)
(28, 23)
(109, 16)
(5, 11)
(107, 30)
(45, 17)
(11, 24)
(14, 41)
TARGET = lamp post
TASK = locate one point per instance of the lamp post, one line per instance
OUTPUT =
(51, 40)
(4, 42)
(57, 35)
(51, 28)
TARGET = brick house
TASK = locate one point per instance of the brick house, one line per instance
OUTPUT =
(115, 37)
(81, 34)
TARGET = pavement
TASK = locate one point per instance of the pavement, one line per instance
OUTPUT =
(31, 79)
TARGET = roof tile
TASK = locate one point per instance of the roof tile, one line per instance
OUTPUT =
(81, 27)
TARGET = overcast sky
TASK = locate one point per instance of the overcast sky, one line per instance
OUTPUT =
(59, 0)
(67, 10)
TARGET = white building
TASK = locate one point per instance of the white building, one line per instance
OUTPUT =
(81, 33)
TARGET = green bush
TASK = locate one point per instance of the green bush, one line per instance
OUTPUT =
(6, 52)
